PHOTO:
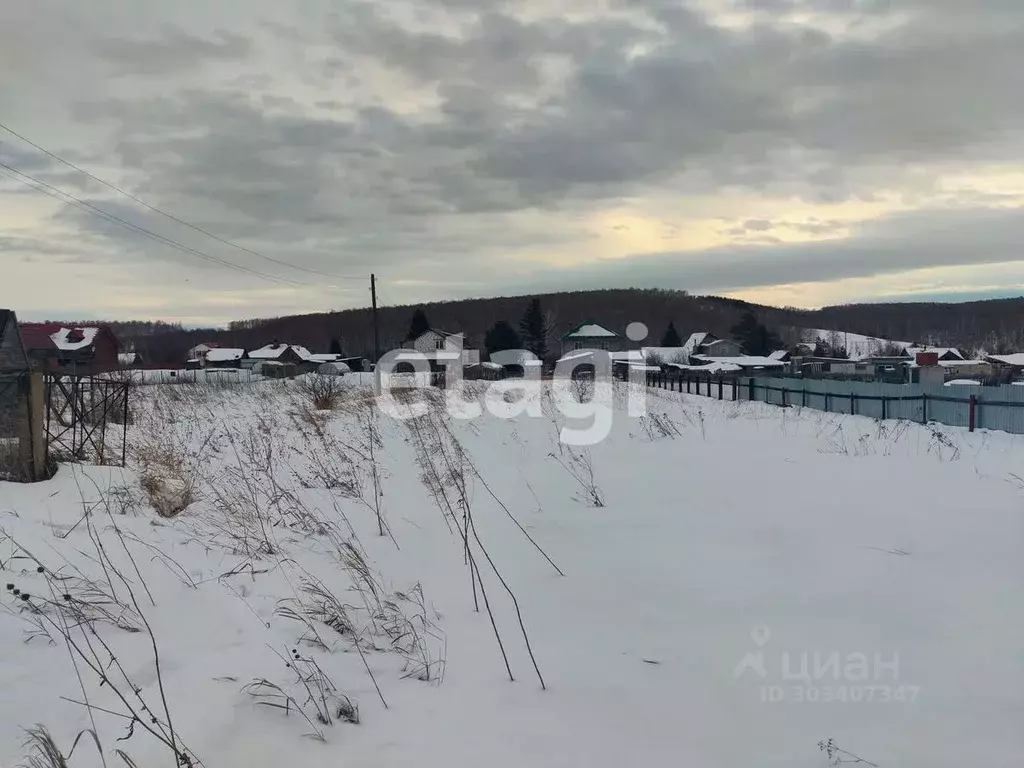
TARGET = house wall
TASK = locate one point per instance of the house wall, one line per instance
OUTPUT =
(428, 343)
(975, 369)
(610, 343)
(721, 348)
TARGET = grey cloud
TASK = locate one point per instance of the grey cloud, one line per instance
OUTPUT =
(779, 110)
(526, 124)
(172, 52)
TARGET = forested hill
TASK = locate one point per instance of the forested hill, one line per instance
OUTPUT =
(995, 325)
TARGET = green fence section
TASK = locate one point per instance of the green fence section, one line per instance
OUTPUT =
(1000, 408)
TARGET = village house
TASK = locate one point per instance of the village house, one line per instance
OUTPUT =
(708, 345)
(54, 348)
(743, 362)
(278, 352)
(222, 357)
(440, 347)
(198, 352)
(1011, 365)
(591, 335)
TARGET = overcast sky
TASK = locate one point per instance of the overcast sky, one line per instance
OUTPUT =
(798, 152)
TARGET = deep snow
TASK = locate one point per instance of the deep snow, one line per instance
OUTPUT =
(730, 534)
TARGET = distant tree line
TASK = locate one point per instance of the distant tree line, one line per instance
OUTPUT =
(995, 325)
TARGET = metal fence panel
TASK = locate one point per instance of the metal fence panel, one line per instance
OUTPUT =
(1000, 408)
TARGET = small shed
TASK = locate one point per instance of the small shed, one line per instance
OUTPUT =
(223, 357)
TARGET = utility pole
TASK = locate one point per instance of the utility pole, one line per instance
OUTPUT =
(376, 335)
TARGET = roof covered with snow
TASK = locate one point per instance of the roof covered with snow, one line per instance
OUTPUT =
(694, 341)
(224, 354)
(74, 338)
(963, 383)
(709, 367)
(745, 361)
(1016, 359)
(779, 354)
(274, 351)
(590, 329)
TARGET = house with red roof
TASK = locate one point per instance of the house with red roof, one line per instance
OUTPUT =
(58, 348)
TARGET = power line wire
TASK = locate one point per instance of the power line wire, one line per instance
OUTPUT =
(90, 208)
(174, 218)
(384, 293)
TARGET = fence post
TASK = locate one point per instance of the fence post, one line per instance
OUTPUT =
(124, 428)
(750, 388)
(826, 401)
(853, 404)
(720, 388)
(924, 408)
(970, 415)
(734, 389)
(32, 439)
(803, 397)
(885, 400)
(785, 392)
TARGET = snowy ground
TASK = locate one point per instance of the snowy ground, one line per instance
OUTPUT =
(857, 345)
(708, 550)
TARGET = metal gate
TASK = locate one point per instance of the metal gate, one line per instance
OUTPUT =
(86, 419)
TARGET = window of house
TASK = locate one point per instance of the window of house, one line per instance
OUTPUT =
(577, 345)
(439, 344)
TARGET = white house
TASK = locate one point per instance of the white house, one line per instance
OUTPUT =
(438, 345)
(591, 335)
(709, 345)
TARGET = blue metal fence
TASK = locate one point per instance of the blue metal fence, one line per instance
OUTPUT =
(1000, 408)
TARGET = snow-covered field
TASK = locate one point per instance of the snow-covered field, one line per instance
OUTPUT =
(712, 553)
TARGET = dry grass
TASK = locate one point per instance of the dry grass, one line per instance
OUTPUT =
(323, 392)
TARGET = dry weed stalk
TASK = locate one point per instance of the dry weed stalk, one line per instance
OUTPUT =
(451, 473)
(581, 468)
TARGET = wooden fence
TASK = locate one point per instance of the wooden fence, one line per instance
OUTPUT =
(718, 387)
